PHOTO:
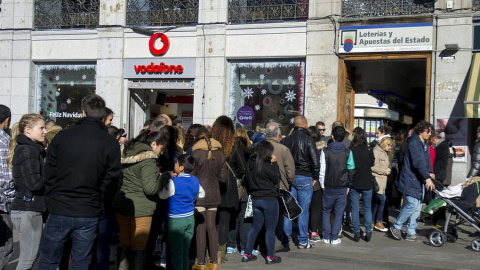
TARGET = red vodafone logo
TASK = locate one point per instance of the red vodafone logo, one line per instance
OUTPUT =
(165, 41)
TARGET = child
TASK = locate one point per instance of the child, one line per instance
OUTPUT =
(181, 193)
(336, 172)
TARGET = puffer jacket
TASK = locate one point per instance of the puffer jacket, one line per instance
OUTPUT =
(304, 152)
(379, 169)
(475, 164)
(28, 171)
(209, 172)
(140, 184)
(416, 168)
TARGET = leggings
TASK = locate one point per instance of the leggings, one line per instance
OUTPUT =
(206, 224)
(316, 211)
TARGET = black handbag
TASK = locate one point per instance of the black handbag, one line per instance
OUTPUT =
(289, 206)
(376, 188)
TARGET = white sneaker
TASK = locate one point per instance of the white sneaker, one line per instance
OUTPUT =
(335, 242)
(326, 241)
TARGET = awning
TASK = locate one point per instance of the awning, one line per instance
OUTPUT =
(472, 96)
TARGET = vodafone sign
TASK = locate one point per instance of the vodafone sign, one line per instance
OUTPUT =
(166, 44)
(159, 68)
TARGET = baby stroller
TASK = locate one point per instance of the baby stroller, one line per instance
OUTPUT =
(463, 207)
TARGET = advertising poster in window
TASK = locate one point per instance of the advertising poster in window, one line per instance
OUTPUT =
(272, 90)
(60, 91)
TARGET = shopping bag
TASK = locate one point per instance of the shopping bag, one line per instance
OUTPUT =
(249, 210)
(289, 206)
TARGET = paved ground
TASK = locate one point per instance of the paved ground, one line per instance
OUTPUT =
(381, 253)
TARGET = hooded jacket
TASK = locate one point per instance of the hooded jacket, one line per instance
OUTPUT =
(209, 172)
(28, 170)
(337, 166)
(304, 152)
(140, 182)
(416, 168)
(82, 162)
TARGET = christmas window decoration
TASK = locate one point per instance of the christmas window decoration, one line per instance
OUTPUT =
(60, 91)
(260, 91)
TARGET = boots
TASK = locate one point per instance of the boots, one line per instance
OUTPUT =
(122, 258)
(212, 266)
(222, 253)
(138, 259)
(199, 266)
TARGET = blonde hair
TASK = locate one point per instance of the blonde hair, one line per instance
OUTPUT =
(242, 133)
(27, 120)
(386, 141)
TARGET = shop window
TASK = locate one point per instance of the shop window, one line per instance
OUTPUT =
(61, 89)
(260, 91)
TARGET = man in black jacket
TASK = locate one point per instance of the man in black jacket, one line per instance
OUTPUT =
(307, 169)
(81, 163)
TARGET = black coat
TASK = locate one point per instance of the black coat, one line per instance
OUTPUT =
(228, 190)
(304, 152)
(263, 186)
(442, 154)
(364, 160)
(28, 171)
(82, 162)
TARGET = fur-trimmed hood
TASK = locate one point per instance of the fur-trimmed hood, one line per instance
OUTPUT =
(139, 152)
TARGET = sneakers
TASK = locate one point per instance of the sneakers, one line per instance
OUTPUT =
(326, 241)
(379, 226)
(254, 252)
(231, 250)
(273, 259)
(412, 238)
(396, 233)
(368, 236)
(357, 236)
(315, 238)
(305, 246)
(248, 258)
(335, 242)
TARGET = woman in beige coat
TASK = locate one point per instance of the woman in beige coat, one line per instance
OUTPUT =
(380, 170)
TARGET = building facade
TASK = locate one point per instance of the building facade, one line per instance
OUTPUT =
(366, 63)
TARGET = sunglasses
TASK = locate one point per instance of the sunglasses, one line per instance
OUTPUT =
(427, 131)
(321, 129)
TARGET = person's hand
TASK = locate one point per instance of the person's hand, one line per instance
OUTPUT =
(388, 171)
(432, 176)
(274, 158)
(429, 184)
(348, 190)
(173, 174)
(314, 182)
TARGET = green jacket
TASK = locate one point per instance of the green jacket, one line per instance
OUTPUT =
(137, 195)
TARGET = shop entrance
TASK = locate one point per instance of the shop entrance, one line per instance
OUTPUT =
(388, 89)
(149, 99)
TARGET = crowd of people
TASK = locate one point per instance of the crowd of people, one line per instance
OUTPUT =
(171, 195)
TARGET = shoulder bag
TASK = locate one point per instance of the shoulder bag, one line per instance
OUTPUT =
(289, 206)
(240, 189)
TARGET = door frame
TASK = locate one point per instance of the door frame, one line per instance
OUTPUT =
(342, 76)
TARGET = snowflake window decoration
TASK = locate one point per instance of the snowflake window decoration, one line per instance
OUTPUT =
(264, 92)
(262, 76)
(257, 107)
(290, 78)
(57, 94)
(69, 101)
(57, 78)
(248, 92)
(292, 120)
(84, 77)
(243, 76)
(72, 83)
(290, 95)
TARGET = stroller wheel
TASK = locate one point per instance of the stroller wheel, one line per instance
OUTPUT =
(437, 238)
(476, 245)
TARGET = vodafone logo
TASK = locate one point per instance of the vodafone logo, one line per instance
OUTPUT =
(165, 41)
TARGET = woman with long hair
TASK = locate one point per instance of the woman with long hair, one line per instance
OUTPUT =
(380, 170)
(210, 171)
(361, 184)
(26, 161)
(223, 131)
(190, 138)
(263, 176)
(136, 201)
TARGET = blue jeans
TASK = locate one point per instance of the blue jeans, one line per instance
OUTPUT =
(333, 199)
(378, 206)
(410, 212)
(29, 225)
(107, 231)
(58, 229)
(302, 190)
(354, 197)
(265, 213)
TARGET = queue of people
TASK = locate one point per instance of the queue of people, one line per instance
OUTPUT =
(171, 195)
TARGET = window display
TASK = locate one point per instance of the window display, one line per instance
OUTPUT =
(61, 89)
(260, 91)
